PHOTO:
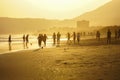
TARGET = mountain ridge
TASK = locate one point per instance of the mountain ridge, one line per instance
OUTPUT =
(105, 15)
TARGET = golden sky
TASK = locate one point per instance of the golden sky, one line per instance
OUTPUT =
(50, 9)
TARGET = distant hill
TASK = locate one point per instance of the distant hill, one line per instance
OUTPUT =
(109, 14)
(13, 25)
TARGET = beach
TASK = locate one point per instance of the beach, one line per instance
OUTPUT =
(95, 62)
(59, 40)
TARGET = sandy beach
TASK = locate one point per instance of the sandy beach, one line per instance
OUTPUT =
(85, 62)
(59, 40)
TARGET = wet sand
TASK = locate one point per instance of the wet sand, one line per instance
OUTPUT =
(62, 63)
(17, 46)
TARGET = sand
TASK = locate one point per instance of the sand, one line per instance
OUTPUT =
(98, 62)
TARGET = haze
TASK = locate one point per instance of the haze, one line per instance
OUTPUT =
(49, 9)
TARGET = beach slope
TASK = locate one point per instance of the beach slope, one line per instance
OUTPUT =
(62, 63)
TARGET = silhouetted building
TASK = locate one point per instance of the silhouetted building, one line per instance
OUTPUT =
(83, 25)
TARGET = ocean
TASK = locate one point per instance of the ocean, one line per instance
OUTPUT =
(17, 42)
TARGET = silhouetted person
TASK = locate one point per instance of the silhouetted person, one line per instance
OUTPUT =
(84, 34)
(78, 37)
(118, 33)
(108, 36)
(74, 37)
(91, 34)
(27, 40)
(54, 38)
(24, 41)
(44, 39)
(98, 35)
(68, 37)
(58, 37)
(40, 38)
(9, 42)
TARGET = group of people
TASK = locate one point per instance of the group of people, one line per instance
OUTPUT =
(76, 36)
(56, 39)
(109, 35)
(41, 38)
(98, 35)
(25, 41)
(57, 36)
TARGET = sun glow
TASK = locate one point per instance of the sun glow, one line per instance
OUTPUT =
(56, 5)
(50, 9)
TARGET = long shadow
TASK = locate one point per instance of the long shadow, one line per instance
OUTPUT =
(36, 50)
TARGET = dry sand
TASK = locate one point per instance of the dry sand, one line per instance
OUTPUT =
(62, 63)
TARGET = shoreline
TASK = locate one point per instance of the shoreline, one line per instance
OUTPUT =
(88, 42)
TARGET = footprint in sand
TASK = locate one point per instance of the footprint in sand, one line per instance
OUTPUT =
(58, 61)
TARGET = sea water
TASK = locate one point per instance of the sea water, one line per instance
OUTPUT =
(17, 42)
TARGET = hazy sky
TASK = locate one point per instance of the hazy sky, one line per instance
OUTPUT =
(50, 9)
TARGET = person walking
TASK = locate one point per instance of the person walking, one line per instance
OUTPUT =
(58, 37)
(74, 37)
(116, 34)
(68, 38)
(108, 36)
(78, 37)
(44, 39)
(98, 35)
(24, 41)
(119, 34)
(54, 38)
(27, 40)
(9, 42)
(40, 39)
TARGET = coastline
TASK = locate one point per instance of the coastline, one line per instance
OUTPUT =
(86, 42)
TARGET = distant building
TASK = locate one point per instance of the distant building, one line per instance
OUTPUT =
(83, 25)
